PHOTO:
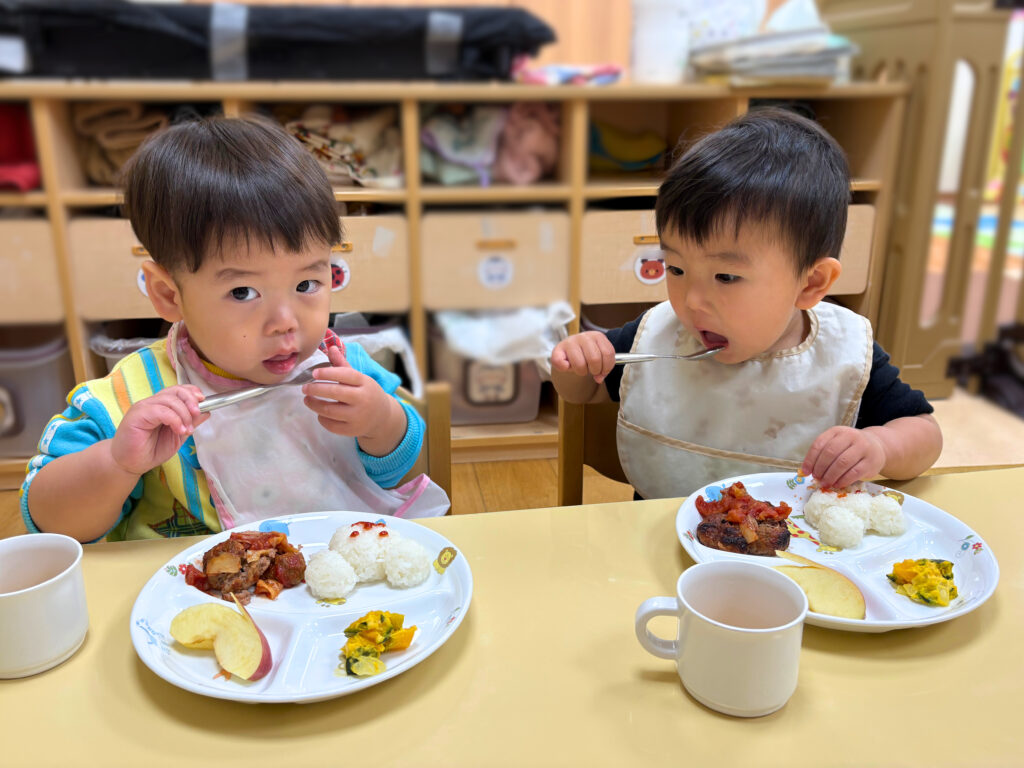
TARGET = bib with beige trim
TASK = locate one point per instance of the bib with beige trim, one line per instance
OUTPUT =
(683, 425)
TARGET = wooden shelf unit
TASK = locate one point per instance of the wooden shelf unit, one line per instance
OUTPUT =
(866, 118)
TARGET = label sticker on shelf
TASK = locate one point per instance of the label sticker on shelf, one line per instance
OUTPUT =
(340, 273)
(140, 281)
(649, 266)
(495, 272)
(383, 241)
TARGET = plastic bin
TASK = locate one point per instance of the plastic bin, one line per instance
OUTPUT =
(35, 378)
(113, 349)
(484, 393)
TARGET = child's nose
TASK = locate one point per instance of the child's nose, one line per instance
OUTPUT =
(282, 320)
(696, 299)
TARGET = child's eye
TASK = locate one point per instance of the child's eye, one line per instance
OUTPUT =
(727, 279)
(308, 286)
(674, 271)
(243, 294)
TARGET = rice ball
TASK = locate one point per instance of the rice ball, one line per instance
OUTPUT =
(816, 504)
(840, 527)
(857, 502)
(329, 575)
(886, 516)
(406, 562)
(363, 547)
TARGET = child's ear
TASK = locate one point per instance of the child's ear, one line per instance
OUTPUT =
(818, 281)
(164, 294)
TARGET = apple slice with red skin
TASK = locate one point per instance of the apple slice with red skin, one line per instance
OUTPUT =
(240, 646)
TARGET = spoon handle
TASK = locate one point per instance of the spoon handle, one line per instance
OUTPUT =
(642, 357)
(214, 402)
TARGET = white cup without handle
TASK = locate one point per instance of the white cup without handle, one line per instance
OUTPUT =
(661, 41)
(740, 628)
(43, 614)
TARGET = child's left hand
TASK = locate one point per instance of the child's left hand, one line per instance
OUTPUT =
(348, 402)
(843, 455)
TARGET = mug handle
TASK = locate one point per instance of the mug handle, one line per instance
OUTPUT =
(649, 608)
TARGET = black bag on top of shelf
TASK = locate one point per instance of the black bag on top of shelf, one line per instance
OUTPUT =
(120, 39)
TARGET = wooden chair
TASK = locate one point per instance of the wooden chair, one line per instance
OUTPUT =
(436, 409)
(586, 435)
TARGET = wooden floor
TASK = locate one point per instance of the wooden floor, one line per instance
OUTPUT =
(975, 432)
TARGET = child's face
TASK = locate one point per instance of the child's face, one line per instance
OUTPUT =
(739, 293)
(255, 312)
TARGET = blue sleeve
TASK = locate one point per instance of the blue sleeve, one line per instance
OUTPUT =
(83, 423)
(387, 470)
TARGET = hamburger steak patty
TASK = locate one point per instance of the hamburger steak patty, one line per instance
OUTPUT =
(718, 533)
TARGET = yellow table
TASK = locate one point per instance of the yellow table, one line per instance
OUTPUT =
(546, 670)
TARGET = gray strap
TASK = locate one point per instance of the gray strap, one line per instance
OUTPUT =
(228, 27)
(444, 35)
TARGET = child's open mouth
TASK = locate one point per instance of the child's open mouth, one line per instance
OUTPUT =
(281, 364)
(713, 340)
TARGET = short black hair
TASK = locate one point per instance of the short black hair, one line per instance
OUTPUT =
(769, 167)
(194, 184)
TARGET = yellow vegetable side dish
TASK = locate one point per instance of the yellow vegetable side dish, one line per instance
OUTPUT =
(376, 633)
(924, 581)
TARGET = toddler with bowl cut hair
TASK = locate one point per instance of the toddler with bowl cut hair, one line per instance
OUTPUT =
(239, 222)
(751, 221)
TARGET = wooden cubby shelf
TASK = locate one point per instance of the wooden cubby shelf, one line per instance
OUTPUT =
(565, 235)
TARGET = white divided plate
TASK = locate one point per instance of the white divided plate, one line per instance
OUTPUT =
(931, 533)
(305, 634)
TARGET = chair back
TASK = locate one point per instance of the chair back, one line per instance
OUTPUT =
(586, 435)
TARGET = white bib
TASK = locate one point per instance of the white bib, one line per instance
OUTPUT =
(270, 456)
(683, 425)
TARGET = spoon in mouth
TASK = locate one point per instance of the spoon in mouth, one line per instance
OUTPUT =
(643, 357)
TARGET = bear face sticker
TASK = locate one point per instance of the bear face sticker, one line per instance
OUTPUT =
(649, 266)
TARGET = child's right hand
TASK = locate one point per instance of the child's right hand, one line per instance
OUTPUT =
(585, 354)
(155, 428)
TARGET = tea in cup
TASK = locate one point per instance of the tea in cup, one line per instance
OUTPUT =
(740, 628)
(43, 615)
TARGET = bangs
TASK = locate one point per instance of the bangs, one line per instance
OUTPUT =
(770, 169)
(197, 186)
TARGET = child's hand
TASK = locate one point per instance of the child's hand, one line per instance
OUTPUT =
(154, 429)
(844, 455)
(346, 401)
(585, 354)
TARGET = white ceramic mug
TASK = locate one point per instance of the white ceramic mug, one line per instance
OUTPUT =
(740, 628)
(43, 615)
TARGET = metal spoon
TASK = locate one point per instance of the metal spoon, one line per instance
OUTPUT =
(640, 357)
(214, 402)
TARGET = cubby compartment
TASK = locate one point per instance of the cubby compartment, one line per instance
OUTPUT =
(358, 145)
(631, 143)
(621, 258)
(487, 259)
(370, 268)
(35, 377)
(30, 286)
(20, 175)
(482, 392)
(491, 145)
(106, 262)
(114, 339)
(95, 138)
(861, 126)
(855, 256)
